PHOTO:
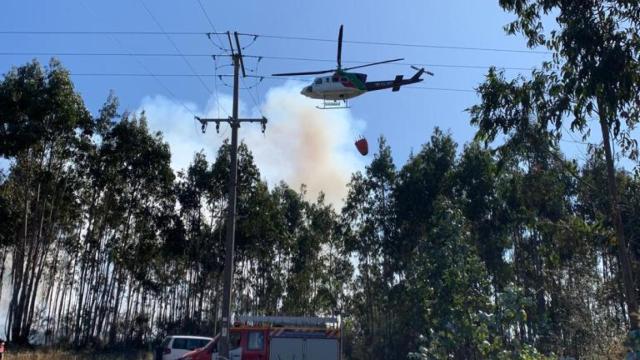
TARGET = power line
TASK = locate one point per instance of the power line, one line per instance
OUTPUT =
(150, 33)
(253, 98)
(569, 170)
(380, 43)
(206, 15)
(20, 53)
(213, 27)
(305, 79)
(440, 89)
(215, 87)
(393, 63)
(244, 85)
(577, 142)
(215, 84)
(280, 37)
(139, 75)
(174, 45)
(256, 76)
(173, 96)
(160, 54)
(255, 70)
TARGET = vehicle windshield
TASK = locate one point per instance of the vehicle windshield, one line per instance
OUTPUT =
(189, 343)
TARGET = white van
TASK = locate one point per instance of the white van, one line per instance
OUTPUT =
(173, 347)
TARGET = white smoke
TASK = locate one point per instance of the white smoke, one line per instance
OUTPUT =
(302, 144)
(5, 295)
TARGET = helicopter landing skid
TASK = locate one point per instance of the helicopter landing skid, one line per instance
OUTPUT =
(333, 104)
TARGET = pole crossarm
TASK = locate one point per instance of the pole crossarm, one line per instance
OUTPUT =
(233, 122)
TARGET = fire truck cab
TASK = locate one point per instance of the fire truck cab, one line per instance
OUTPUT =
(278, 338)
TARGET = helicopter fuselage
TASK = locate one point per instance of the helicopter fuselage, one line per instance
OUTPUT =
(339, 86)
(343, 85)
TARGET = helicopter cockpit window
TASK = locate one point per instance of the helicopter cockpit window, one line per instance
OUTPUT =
(327, 80)
(318, 81)
(335, 79)
(343, 79)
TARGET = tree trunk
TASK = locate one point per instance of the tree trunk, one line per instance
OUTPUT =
(623, 250)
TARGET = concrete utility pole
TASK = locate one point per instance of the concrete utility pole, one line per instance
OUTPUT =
(234, 122)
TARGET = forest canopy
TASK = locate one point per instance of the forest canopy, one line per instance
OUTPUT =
(471, 251)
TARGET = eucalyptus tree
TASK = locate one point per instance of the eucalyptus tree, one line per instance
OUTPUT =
(122, 236)
(333, 268)
(368, 223)
(594, 74)
(448, 286)
(43, 122)
(479, 181)
(426, 176)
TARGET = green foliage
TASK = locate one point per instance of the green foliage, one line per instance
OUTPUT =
(461, 253)
(593, 75)
(451, 283)
(39, 106)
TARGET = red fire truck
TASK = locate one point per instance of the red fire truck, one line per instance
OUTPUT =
(277, 338)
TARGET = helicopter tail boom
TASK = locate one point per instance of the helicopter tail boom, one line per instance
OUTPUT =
(394, 85)
(418, 74)
(398, 82)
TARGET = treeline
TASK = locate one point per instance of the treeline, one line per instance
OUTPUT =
(106, 245)
(463, 251)
(502, 248)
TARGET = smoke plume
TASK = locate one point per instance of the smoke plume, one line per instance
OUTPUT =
(302, 144)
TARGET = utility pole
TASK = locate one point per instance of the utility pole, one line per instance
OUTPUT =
(234, 121)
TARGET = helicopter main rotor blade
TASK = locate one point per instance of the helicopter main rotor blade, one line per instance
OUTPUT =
(375, 63)
(305, 73)
(333, 70)
(340, 48)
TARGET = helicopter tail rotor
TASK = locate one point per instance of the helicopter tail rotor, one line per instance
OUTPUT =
(420, 71)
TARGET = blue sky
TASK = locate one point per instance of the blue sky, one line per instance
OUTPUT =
(405, 118)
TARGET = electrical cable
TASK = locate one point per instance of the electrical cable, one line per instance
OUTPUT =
(259, 57)
(258, 94)
(172, 95)
(255, 38)
(245, 87)
(213, 27)
(256, 76)
(215, 85)
(174, 45)
(55, 32)
(253, 98)
(58, 53)
(280, 37)
(380, 43)
(306, 79)
(392, 63)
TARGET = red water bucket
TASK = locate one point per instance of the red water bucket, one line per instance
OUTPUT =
(363, 146)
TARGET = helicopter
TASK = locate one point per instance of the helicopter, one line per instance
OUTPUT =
(334, 90)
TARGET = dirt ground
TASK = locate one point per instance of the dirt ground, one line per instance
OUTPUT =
(74, 355)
